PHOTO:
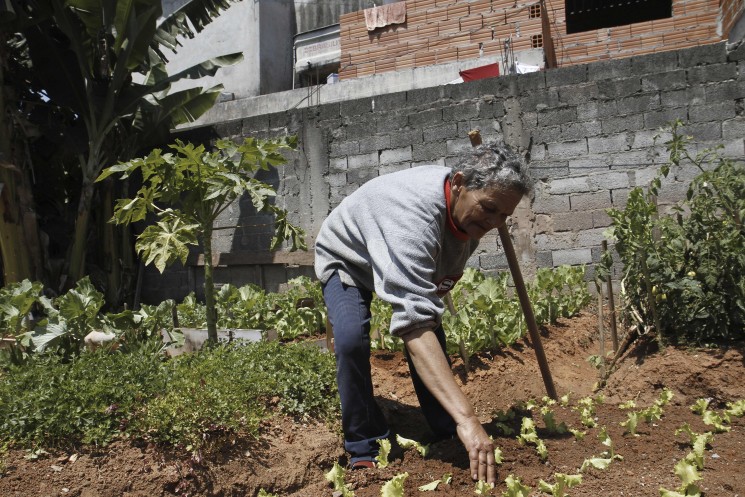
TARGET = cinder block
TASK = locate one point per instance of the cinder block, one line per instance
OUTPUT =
(572, 221)
(621, 124)
(654, 63)
(597, 110)
(605, 144)
(550, 204)
(727, 90)
(733, 128)
(440, 132)
(664, 81)
(683, 97)
(567, 150)
(609, 180)
(562, 76)
(363, 160)
(569, 185)
(559, 115)
(580, 130)
(374, 143)
(425, 118)
(664, 117)
(572, 257)
(712, 112)
(555, 241)
(401, 154)
(715, 53)
(590, 201)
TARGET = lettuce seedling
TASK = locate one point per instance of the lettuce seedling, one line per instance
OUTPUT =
(482, 488)
(563, 482)
(429, 487)
(606, 440)
(515, 488)
(629, 404)
(336, 477)
(631, 422)
(529, 435)
(698, 442)
(711, 418)
(700, 406)
(406, 443)
(550, 422)
(595, 462)
(385, 449)
(264, 493)
(394, 487)
(688, 476)
(736, 409)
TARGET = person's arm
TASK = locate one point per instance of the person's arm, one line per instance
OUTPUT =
(432, 366)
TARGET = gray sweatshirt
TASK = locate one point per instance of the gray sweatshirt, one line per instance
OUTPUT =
(394, 236)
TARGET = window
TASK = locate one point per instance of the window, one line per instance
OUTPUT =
(587, 15)
(536, 41)
(535, 11)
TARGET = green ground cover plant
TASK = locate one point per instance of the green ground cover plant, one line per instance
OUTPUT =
(190, 401)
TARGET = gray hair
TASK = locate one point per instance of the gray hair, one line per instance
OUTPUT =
(494, 165)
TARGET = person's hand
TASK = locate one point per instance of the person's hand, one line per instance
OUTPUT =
(480, 450)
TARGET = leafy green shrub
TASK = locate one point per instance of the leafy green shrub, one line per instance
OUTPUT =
(187, 401)
(227, 389)
(49, 402)
(694, 258)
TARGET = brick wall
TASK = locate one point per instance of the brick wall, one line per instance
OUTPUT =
(589, 129)
(731, 11)
(441, 31)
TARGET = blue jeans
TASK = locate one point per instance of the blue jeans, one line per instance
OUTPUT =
(362, 421)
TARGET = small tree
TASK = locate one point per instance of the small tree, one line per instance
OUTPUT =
(188, 189)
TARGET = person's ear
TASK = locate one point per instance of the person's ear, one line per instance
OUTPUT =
(456, 182)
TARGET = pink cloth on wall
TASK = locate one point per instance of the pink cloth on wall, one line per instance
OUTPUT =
(392, 13)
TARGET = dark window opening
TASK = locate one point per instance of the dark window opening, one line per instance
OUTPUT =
(587, 15)
(536, 41)
(535, 11)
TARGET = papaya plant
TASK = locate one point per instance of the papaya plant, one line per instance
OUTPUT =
(188, 188)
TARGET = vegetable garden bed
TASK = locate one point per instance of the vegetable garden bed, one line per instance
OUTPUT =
(291, 456)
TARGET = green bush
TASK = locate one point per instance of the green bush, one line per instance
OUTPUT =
(189, 401)
(694, 258)
(49, 402)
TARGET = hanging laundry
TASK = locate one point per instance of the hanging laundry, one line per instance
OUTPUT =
(384, 15)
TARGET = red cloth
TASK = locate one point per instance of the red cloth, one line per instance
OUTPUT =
(487, 71)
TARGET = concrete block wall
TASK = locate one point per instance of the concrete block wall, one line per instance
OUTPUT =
(442, 31)
(591, 133)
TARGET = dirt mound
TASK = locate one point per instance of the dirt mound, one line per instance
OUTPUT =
(291, 457)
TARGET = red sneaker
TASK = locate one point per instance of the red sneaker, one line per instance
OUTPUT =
(363, 465)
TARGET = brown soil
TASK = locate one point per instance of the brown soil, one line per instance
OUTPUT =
(291, 457)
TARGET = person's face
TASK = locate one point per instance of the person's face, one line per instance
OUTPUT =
(476, 212)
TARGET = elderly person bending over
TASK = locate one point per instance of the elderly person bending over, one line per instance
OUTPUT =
(407, 236)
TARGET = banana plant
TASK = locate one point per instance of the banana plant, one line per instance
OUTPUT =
(104, 60)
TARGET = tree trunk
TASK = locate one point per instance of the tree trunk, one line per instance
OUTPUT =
(19, 240)
(16, 263)
(77, 253)
(209, 288)
(111, 261)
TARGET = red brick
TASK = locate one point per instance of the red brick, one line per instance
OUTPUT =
(348, 45)
(424, 59)
(641, 27)
(481, 36)
(457, 10)
(408, 35)
(448, 27)
(385, 65)
(405, 61)
(428, 31)
(480, 6)
(467, 53)
(416, 18)
(418, 5)
(471, 23)
(446, 55)
(437, 14)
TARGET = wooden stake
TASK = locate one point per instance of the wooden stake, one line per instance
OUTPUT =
(602, 332)
(611, 306)
(530, 321)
